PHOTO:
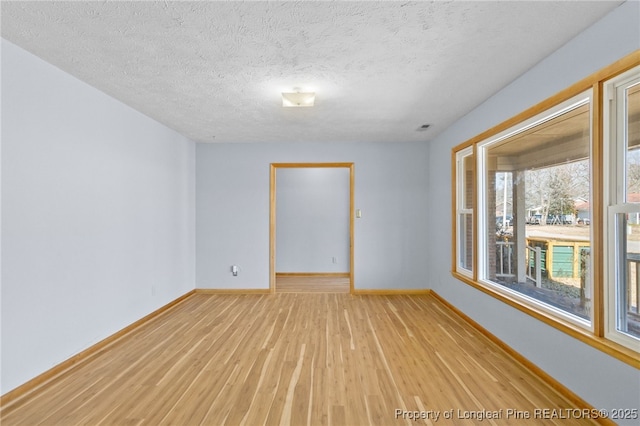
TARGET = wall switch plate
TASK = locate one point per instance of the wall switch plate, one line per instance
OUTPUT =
(358, 213)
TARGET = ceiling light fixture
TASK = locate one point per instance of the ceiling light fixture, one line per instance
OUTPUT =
(298, 99)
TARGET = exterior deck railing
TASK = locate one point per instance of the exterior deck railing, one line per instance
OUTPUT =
(505, 265)
(534, 265)
(504, 262)
(633, 286)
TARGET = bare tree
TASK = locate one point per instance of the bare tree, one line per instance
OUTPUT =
(633, 171)
(554, 189)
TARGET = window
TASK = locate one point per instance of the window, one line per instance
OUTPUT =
(622, 139)
(547, 210)
(533, 177)
(464, 208)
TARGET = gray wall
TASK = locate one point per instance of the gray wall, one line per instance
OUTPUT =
(601, 380)
(98, 216)
(232, 211)
(312, 219)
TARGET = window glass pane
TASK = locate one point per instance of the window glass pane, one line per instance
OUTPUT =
(632, 125)
(538, 212)
(467, 196)
(465, 212)
(628, 274)
(465, 241)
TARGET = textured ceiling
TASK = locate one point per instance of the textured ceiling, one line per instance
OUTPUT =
(214, 71)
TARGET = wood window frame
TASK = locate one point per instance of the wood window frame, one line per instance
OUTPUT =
(596, 336)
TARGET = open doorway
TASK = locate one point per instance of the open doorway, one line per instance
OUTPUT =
(311, 227)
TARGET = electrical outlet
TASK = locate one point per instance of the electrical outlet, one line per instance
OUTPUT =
(334, 260)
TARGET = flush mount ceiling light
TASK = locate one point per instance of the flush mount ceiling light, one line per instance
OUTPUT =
(298, 99)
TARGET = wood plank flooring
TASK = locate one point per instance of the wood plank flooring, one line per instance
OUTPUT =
(313, 284)
(294, 359)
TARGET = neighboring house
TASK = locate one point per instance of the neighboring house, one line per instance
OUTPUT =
(583, 207)
(634, 218)
(533, 211)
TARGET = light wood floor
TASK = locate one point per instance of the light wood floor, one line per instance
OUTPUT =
(314, 284)
(292, 359)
